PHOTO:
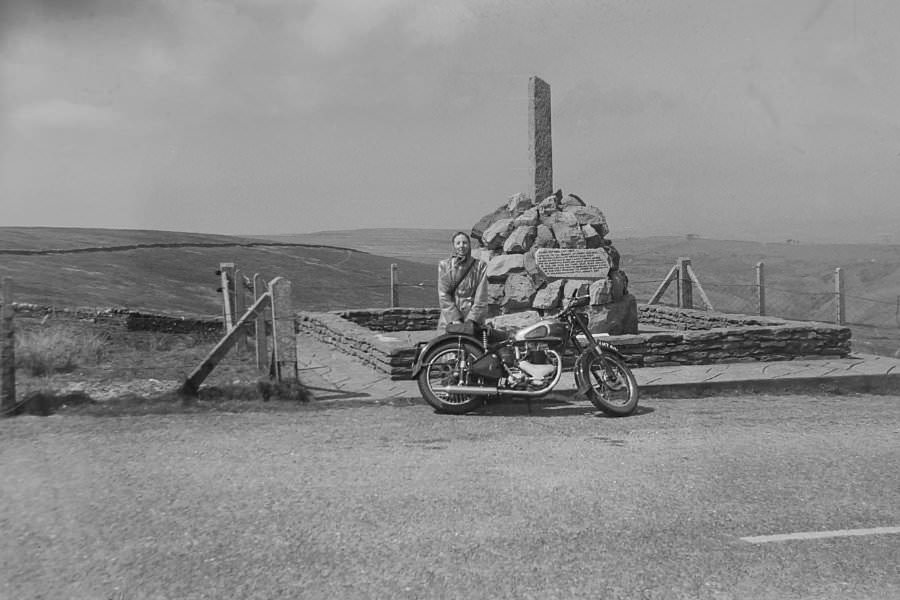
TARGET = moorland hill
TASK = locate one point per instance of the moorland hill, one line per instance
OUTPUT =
(174, 272)
(799, 277)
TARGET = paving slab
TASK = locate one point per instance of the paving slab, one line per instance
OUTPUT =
(334, 376)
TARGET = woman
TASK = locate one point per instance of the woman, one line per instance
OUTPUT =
(462, 290)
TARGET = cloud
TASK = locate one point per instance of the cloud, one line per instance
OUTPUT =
(589, 101)
(59, 113)
(439, 23)
(334, 25)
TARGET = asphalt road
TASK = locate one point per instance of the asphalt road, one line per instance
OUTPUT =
(398, 502)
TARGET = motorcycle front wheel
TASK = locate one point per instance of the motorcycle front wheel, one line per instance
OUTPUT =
(613, 388)
(448, 364)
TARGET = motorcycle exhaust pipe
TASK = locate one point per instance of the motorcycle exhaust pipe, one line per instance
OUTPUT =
(475, 390)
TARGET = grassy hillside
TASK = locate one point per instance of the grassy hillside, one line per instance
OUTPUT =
(420, 245)
(182, 280)
(66, 238)
(799, 278)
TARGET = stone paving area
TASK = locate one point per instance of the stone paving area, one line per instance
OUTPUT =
(334, 376)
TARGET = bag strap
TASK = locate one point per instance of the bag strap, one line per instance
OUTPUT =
(463, 276)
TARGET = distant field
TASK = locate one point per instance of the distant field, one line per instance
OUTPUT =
(351, 269)
(418, 245)
(800, 279)
(182, 280)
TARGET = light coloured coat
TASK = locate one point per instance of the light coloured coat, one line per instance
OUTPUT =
(468, 301)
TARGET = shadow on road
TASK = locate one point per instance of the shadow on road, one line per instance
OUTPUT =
(321, 393)
(516, 408)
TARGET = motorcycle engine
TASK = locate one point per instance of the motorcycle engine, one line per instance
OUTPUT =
(529, 366)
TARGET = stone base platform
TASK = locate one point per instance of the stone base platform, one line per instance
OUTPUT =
(699, 338)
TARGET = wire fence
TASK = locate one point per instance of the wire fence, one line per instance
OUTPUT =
(869, 306)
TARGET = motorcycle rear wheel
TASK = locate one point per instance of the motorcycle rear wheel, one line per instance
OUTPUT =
(613, 388)
(448, 364)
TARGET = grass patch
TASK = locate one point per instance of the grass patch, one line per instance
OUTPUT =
(262, 396)
(58, 348)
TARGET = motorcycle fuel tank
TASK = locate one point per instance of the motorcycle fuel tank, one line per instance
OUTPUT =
(542, 330)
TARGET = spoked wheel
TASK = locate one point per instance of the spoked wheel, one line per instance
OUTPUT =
(613, 388)
(448, 364)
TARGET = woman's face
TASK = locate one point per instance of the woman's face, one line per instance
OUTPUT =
(461, 246)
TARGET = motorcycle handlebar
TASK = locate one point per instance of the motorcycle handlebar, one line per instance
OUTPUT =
(577, 302)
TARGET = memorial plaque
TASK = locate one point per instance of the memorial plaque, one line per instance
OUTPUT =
(573, 263)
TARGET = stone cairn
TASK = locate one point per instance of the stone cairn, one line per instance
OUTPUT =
(507, 240)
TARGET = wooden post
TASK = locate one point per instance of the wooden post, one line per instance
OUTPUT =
(262, 340)
(284, 337)
(395, 289)
(685, 287)
(696, 281)
(192, 385)
(840, 315)
(540, 139)
(7, 350)
(761, 287)
(226, 271)
(670, 277)
(240, 306)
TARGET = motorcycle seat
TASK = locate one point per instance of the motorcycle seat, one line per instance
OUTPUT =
(475, 329)
(465, 328)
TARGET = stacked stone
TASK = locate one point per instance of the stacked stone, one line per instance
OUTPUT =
(510, 236)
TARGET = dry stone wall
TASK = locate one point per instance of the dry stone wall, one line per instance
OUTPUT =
(387, 354)
(393, 319)
(693, 338)
(129, 320)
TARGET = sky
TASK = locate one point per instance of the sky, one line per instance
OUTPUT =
(759, 120)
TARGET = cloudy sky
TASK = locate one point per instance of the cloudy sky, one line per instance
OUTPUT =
(757, 119)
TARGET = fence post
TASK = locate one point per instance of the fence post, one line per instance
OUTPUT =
(685, 285)
(240, 306)
(262, 343)
(7, 350)
(761, 287)
(226, 270)
(284, 338)
(840, 315)
(395, 287)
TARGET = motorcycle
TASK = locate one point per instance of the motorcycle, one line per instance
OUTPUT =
(459, 369)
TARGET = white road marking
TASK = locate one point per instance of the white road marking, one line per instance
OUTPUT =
(815, 535)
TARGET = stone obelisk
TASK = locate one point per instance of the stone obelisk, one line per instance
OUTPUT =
(540, 144)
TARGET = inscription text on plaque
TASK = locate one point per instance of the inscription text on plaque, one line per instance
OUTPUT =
(573, 263)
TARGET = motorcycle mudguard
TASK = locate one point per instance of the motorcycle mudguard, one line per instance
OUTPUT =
(607, 349)
(423, 351)
(610, 349)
